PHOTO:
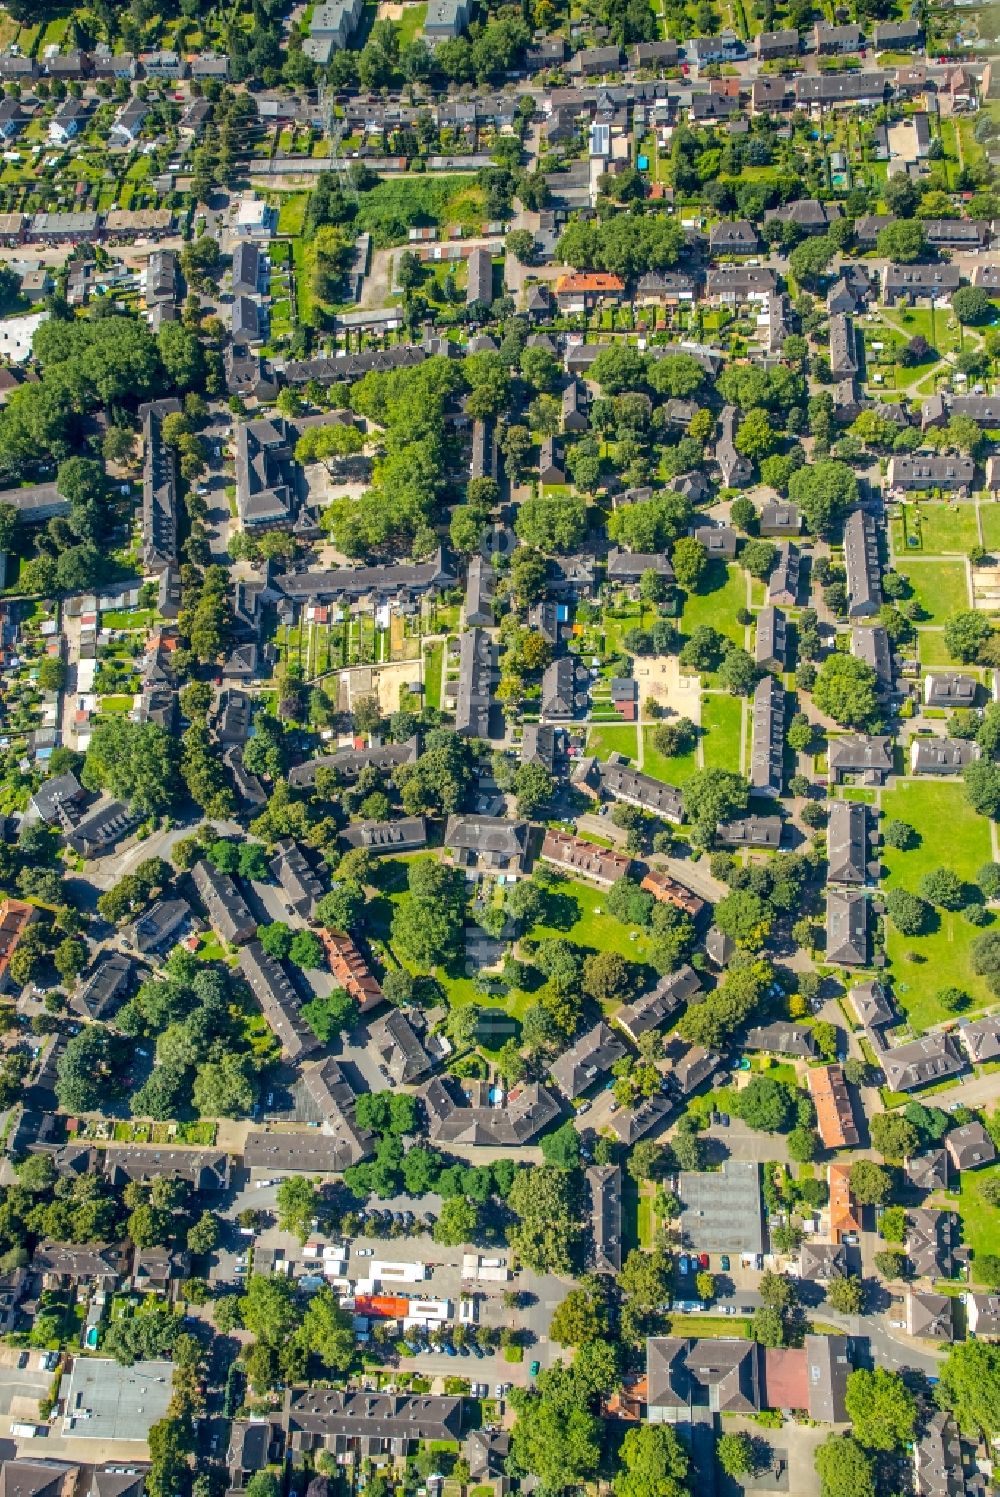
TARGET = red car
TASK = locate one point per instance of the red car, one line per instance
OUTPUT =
(703, 1260)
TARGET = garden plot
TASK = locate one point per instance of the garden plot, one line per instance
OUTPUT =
(986, 588)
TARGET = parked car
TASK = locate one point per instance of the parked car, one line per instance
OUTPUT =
(682, 1262)
(724, 1263)
(366, 1252)
(535, 1368)
(703, 1260)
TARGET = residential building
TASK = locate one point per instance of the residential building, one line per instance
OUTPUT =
(910, 284)
(156, 926)
(949, 689)
(405, 835)
(771, 640)
(864, 570)
(576, 856)
(847, 842)
(479, 286)
(583, 291)
(351, 969)
(371, 1424)
(280, 1003)
(401, 1047)
(780, 1038)
(922, 1062)
(970, 1147)
(590, 1056)
(476, 678)
(100, 995)
(604, 1181)
(847, 942)
(300, 885)
(736, 470)
(463, 1113)
(768, 738)
(668, 890)
(870, 643)
(785, 580)
(857, 756)
(929, 1315)
(488, 843)
(349, 762)
(981, 1039)
(228, 912)
(267, 476)
(941, 756)
(750, 831)
(654, 1007)
(834, 1113)
(615, 778)
(845, 1217)
(159, 488)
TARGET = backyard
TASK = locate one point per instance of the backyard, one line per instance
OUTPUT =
(721, 594)
(941, 586)
(980, 1220)
(942, 955)
(936, 529)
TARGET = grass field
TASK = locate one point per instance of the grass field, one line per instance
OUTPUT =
(721, 595)
(990, 517)
(932, 648)
(941, 586)
(410, 23)
(722, 727)
(980, 1220)
(615, 738)
(673, 770)
(580, 918)
(943, 529)
(942, 954)
(433, 658)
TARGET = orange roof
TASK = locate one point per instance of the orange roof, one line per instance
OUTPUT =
(842, 1214)
(15, 917)
(786, 1377)
(350, 969)
(390, 1306)
(593, 280)
(834, 1114)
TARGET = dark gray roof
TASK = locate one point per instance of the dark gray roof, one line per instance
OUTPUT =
(846, 927)
(591, 1055)
(847, 842)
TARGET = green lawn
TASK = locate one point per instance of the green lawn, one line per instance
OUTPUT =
(722, 593)
(980, 1220)
(577, 905)
(433, 659)
(613, 738)
(943, 528)
(292, 212)
(673, 770)
(721, 724)
(941, 586)
(943, 954)
(410, 23)
(990, 516)
(932, 648)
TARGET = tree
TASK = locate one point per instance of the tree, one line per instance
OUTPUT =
(521, 244)
(845, 1294)
(970, 1387)
(982, 787)
(457, 1223)
(843, 1468)
(713, 795)
(809, 260)
(559, 1442)
(561, 1148)
(544, 1200)
(765, 1104)
(803, 1145)
(297, 1200)
(269, 1307)
(971, 305)
(555, 524)
(870, 1184)
(758, 557)
(746, 917)
(579, 1319)
(965, 633)
(738, 673)
(893, 1136)
(689, 561)
(881, 1408)
(735, 1454)
(327, 1331)
(768, 1326)
(824, 491)
(890, 1264)
(899, 834)
(608, 977)
(902, 241)
(135, 761)
(203, 1235)
(652, 1463)
(908, 912)
(846, 690)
